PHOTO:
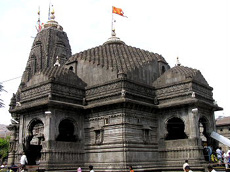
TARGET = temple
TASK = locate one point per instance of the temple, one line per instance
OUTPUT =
(110, 106)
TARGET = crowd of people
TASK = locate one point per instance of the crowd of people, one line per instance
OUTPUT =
(187, 168)
(217, 156)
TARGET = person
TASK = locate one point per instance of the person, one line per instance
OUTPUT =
(219, 154)
(23, 161)
(131, 168)
(2, 168)
(213, 157)
(91, 168)
(187, 169)
(185, 164)
(209, 153)
(228, 154)
(79, 169)
(210, 169)
(13, 168)
(225, 157)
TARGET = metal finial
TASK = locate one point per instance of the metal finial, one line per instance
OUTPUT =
(52, 16)
(178, 62)
(113, 32)
(38, 27)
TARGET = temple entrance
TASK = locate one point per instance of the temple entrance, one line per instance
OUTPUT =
(204, 137)
(175, 128)
(34, 147)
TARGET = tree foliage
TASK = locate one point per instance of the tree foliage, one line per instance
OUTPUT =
(4, 147)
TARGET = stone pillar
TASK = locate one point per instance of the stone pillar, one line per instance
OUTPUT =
(47, 126)
(193, 124)
(45, 153)
(13, 139)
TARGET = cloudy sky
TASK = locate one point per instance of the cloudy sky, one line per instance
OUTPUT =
(197, 31)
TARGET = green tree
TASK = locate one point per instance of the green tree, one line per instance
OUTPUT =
(1, 101)
(4, 147)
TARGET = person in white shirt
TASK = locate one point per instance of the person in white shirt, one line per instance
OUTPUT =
(91, 168)
(23, 161)
(188, 169)
(210, 169)
(185, 164)
(226, 159)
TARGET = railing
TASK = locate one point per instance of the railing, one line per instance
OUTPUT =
(29, 168)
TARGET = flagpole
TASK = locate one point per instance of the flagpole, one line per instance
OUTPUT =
(39, 21)
(112, 23)
(49, 11)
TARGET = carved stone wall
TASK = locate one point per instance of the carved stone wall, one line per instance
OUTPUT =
(110, 132)
(51, 90)
(120, 88)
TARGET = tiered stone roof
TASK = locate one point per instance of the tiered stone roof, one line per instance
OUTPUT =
(58, 74)
(178, 74)
(116, 55)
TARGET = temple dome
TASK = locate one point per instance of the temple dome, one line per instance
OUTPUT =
(117, 56)
(114, 57)
(179, 74)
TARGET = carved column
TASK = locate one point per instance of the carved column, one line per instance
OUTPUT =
(13, 143)
(193, 125)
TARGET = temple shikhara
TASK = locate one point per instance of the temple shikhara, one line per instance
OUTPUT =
(110, 106)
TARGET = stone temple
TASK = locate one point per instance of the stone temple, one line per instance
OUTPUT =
(110, 106)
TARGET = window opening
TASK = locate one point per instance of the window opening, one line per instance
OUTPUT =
(106, 121)
(162, 69)
(175, 128)
(146, 135)
(71, 68)
(98, 136)
(66, 131)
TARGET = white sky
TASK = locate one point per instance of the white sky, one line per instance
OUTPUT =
(198, 31)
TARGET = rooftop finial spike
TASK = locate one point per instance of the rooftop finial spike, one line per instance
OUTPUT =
(39, 27)
(113, 32)
(178, 62)
(52, 14)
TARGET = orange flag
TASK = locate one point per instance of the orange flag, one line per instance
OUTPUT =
(118, 11)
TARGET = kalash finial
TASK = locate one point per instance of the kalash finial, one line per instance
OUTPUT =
(178, 62)
(51, 22)
(52, 15)
(113, 32)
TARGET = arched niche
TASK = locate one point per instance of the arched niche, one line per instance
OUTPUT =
(36, 132)
(67, 131)
(33, 143)
(204, 130)
(176, 129)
